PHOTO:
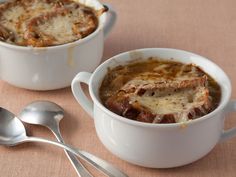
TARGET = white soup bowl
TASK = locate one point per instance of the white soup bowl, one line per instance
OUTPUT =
(156, 145)
(54, 67)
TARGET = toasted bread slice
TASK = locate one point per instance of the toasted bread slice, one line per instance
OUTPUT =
(61, 26)
(162, 100)
(145, 83)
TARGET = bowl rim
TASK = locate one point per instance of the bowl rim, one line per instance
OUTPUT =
(220, 107)
(66, 45)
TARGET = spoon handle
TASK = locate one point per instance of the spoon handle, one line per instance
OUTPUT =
(78, 166)
(98, 163)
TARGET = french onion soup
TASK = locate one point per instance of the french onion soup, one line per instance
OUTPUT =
(159, 91)
(41, 23)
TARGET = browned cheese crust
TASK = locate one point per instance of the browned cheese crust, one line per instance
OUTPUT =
(42, 23)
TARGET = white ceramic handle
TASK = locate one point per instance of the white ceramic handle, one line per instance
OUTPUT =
(78, 92)
(231, 107)
(110, 20)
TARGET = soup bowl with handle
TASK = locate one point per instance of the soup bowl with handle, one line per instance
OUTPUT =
(156, 145)
(54, 67)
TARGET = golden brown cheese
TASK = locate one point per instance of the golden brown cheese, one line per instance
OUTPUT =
(43, 23)
(158, 91)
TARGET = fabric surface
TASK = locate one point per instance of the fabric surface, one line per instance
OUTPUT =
(205, 27)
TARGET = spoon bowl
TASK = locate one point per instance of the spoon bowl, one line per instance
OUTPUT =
(12, 131)
(43, 113)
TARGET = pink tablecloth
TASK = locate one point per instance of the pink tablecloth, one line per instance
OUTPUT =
(206, 27)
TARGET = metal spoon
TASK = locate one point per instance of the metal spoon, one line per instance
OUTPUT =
(12, 132)
(49, 114)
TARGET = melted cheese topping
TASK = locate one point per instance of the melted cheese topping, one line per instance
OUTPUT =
(171, 103)
(61, 27)
(159, 91)
(40, 22)
(15, 16)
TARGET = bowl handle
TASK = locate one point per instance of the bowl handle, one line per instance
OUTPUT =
(110, 21)
(78, 92)
(227, 134)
